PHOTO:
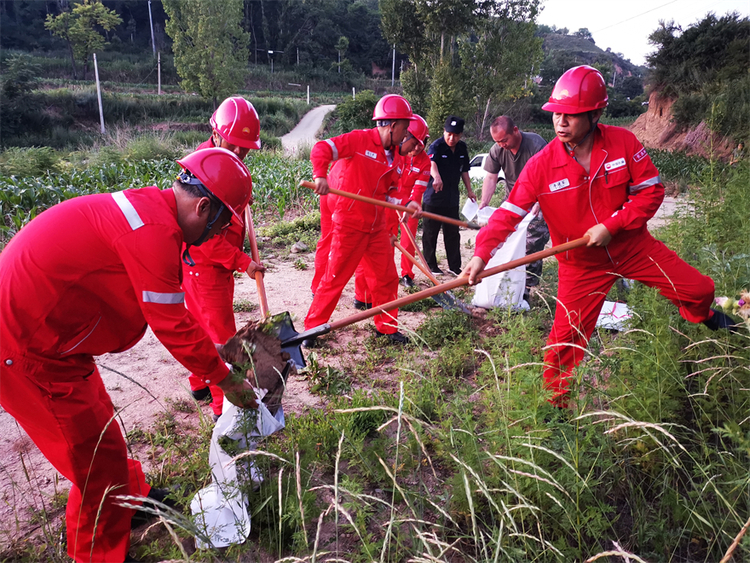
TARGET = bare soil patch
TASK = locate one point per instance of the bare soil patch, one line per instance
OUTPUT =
(656, 129)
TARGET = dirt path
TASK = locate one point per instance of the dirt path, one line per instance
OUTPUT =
(306, 130)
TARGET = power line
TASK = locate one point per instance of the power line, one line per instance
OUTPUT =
(634, 17)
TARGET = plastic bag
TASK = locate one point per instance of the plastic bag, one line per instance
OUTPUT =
(221, 509)
(614, 316)
(506, 288)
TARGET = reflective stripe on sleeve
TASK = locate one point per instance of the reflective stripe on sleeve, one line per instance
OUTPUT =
(131, 215)
(333, 148)
(163, 298)
(514, 209)
(421, 183)
(647, 184)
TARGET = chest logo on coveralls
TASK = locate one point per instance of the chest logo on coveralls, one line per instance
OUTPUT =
(564, 183)
(371, 154)
(619, 163)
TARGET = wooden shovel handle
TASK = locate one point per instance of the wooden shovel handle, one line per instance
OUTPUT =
(418, 253)
(264, 311)
(425, 270)
(388, 204)
(458, 282)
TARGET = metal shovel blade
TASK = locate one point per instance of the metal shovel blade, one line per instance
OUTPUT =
(448, 300)
(282, 327)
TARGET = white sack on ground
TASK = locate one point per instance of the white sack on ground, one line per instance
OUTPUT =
(506, 288)
(220, 509)
(614, 316)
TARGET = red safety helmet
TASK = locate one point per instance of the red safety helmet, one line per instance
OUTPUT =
(224, 175)
(392, 106)
(578, 90)
(418, 127)
(237, 122)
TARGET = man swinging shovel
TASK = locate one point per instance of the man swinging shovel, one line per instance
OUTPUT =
(359, 229)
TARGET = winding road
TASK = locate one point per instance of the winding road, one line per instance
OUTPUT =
(306, 130)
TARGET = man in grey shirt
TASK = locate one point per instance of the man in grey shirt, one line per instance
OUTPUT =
(510, 153)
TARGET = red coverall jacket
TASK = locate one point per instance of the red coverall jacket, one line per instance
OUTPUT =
(209, 288)
(414, 181)
(622, 191)
(83, 279)
(358, 228)
(415, 173)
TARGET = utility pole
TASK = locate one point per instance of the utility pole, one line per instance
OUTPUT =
(99, 96)
(158, 73)
(151, 21)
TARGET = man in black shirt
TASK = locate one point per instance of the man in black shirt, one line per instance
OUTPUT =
(450, 164)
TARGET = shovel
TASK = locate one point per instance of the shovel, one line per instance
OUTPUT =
(449, 220)
(446, 300)
(291, 339)
(451, 301)
(256, 258)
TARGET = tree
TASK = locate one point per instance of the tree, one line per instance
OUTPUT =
(631, 86)
(79, 28)
(706, 68)
(447, 17)
(341, 46)
(447, 96)
(500, 56)
(584, 33)
(402, 26)
(209, 45)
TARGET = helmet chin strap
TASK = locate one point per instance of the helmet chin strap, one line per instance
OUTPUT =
(186, 258)
(187, 178)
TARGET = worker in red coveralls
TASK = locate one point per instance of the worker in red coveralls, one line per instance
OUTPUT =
(414, 175)
(359, 229)
(85, 278)
(209, 282)
(414, 181)
(595, 181)
(408, 147)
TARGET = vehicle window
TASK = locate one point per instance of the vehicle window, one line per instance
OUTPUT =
(476, 161)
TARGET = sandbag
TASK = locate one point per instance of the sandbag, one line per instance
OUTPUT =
(220, 509)
(506, 288)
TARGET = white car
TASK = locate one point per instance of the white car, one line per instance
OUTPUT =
(477, 171)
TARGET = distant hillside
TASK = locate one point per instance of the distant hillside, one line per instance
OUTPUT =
(569, 50)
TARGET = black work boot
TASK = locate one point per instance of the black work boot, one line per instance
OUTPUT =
(202, 394)
(141, 516)
(361, 305)
(393, 338)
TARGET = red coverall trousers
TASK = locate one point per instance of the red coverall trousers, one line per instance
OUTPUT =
(323, 248)
(349, 247)
(407, 268)
(209, 297)
(581, 294)
(72, 423)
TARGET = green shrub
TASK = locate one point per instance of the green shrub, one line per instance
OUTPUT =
(356, 113)
(33, 161)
